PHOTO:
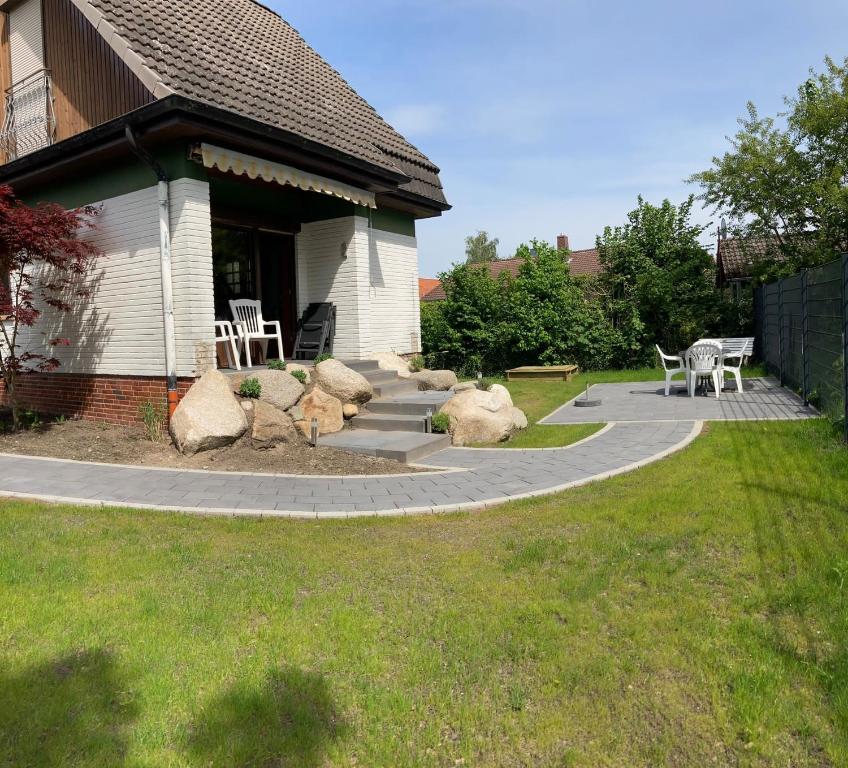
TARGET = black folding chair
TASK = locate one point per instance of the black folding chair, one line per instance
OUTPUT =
(315, 332)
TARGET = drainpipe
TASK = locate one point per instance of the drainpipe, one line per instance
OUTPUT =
(165, 264)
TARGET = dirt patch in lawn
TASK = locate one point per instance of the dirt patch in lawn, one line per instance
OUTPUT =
(94, 441)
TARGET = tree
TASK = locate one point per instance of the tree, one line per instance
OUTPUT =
(785, 179)
(43, 260)
(658, 281)
(479, 249)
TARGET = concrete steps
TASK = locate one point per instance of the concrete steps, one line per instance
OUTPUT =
(393, 424)
(405, 447)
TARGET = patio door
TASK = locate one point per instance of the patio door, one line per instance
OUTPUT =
(277, 284)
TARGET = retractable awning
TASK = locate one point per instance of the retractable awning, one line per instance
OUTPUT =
(256, 168)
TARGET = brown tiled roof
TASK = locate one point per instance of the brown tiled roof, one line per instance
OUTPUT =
(243, 57)
(735, 256)
(436, 293)
(585, 262)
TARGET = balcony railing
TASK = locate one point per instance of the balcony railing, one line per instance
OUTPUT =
(30, 122)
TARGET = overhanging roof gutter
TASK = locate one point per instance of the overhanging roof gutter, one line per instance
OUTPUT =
(203, 118)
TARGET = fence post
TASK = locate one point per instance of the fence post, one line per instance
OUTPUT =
(780, 331)
(805, 330)
(845, 340)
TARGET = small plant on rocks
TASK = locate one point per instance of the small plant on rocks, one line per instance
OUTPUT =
(484, 384)
(250, 388)
(441, 423)
(277, 365)
(322, 357)
(417, 363)
(299, 375)
(153, 417)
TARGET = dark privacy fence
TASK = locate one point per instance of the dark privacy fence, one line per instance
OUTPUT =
(801, 329)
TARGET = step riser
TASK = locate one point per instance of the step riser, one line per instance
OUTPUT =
(362, 365)
(408, 457)
(379, 377)
(400, 408)
(395, 389)
(412, 424)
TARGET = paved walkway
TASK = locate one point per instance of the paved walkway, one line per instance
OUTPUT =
(461, 478)
(760, 399)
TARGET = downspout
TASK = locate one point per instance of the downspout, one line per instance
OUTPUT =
(165, 264)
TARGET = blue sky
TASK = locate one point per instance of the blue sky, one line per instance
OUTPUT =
(549, 117)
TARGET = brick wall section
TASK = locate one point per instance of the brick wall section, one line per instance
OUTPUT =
(113, 399)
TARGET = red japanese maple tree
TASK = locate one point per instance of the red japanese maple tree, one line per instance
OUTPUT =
(44, 259)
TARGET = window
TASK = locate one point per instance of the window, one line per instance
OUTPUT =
(234, 268)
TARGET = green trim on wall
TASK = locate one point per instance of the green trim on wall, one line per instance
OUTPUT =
(387, 220)
(120, 178)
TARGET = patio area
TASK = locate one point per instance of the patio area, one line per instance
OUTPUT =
(762, 399)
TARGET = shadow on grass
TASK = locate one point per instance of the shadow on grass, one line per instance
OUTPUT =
(72, 710)
(288, 722)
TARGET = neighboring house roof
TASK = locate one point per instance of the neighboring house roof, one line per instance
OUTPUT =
(427, 284)
(436, 293)
(735, 256)
(243, 57)
(585, 262)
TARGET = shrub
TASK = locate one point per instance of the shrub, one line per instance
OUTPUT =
(299, 375)
(250, 388)
(322, 357)
(277, 365)
(441, 423)
(485, 384)
(417, 363)
(153, 417)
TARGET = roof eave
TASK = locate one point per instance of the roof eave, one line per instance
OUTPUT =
(146, 118)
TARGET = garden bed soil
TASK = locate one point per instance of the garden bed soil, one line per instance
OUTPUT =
(110, 444)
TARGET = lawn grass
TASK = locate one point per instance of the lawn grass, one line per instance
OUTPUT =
(694, 612)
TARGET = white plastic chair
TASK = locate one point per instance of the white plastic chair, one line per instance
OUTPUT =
(703, 359)
(735, 349)
(224, 334)
(248, 321)
(669, 372)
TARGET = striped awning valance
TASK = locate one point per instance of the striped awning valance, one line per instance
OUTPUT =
(255, 168)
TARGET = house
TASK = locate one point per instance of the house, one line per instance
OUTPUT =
(736, 258)
(274, 180)
(427, 284)
(585, 263)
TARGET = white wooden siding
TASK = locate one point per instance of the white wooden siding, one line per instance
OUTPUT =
(392, 318)
(191, 272)
(374, 287)
(325, 274)
(119, 330)
(26, 40)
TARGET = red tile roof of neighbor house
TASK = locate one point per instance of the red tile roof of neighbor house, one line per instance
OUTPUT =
(581, 263)
(240, 56)
(427, 284)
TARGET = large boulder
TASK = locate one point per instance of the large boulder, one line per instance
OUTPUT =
(519, 418)
(501, 394)
(440, 381)
(389, 361)
(336, 379)
(478, 417)
(209, 416)
(279, 388)
(271, 426)
(322, 406)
